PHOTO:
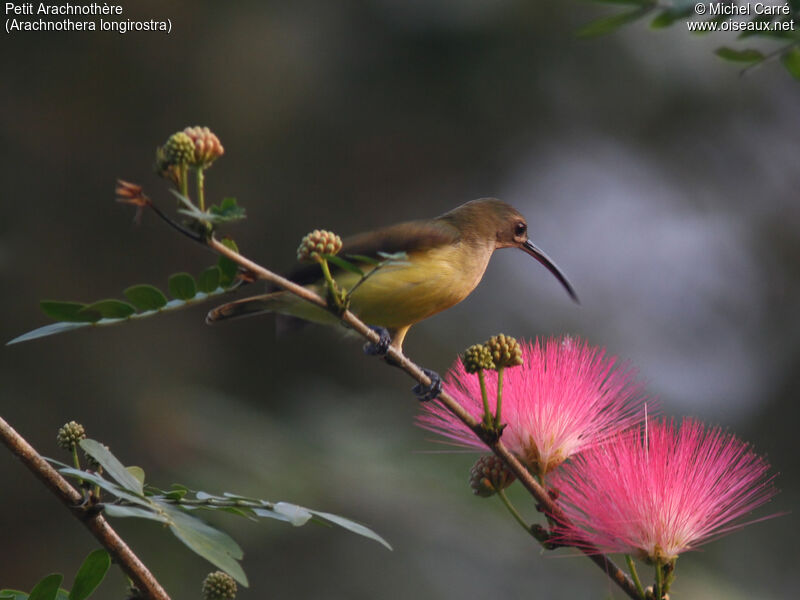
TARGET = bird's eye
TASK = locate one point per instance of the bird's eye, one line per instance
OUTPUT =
(520, 228)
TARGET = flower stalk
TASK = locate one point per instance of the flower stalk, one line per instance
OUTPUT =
(634, 575)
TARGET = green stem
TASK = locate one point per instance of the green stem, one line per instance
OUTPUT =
(669, 575)
(502, 495)
(499, 396)
(658, 591)
(634, 575)
(184, 175)
(326, 272)
(333, 290)
(487, 413)
(76, 461)
(201, 192)
(365, 277)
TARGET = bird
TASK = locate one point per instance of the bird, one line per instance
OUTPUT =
(446, 258)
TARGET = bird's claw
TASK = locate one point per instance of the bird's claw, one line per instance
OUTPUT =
(381, 347)
(426, 393)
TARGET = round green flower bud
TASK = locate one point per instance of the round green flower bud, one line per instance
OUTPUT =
(179, 150)
(505, 351)
(316, 243)
(219, 586)
(477, 357)
(69, 435)
(489, 475)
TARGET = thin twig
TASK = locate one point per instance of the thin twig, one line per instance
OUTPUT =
(403, 362)
(95, 522)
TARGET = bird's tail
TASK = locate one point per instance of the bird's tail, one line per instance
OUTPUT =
(246, 307)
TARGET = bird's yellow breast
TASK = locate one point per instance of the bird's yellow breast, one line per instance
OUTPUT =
(433, 281)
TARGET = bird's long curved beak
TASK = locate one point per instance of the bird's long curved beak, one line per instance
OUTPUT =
(536, 253)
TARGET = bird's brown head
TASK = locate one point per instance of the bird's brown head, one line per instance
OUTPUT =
(492, 219)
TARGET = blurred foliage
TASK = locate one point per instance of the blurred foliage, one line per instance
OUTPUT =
(90, 575)
(134, 498)
(780, 27)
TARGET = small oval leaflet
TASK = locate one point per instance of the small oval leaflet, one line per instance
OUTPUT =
(145, 297)
(182, 286)
(110, 309)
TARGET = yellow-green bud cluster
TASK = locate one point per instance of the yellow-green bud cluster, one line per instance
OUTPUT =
(476, 358)
(219, 586)
(489, 475)
(179, 150)
(505, 351)
(194, 146)
(316, 243)
(69, 435)
(207, 147)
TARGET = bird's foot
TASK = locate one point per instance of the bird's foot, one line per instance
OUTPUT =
(426, 393)
(382, 346)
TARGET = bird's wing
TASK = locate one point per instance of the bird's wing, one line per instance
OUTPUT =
(409, 237)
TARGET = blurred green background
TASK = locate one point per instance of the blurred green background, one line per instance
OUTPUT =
(663, 184)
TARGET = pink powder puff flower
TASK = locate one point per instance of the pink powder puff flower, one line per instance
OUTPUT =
(660, 490)
(566, 397)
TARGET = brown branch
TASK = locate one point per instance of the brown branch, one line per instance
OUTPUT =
(95, 522)
(399, 359)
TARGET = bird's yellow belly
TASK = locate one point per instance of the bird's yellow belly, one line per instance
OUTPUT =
(396, 296)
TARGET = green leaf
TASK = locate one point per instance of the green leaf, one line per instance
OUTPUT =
(115, 469)
(109, 486)
(8, 594)
(343, 264)
(227, 267)
(228, 210)
(247, 513)
(177, 492)
(110, 309)
(116, 510)
(209, 279)
(215, 546)
(51, 329)
(393, 256)
(791, 60)
(182, 286)
(362, 258)
(145, 297)
(89, 576)
(609, 24)
(271, 514)
(351, 526)
(137, 472)
(68, 311)
(749, 55)
(47, 588)
(297, 515)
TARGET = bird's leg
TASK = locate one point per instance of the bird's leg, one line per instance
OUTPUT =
(426, 393)
(382, 346)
